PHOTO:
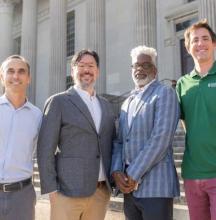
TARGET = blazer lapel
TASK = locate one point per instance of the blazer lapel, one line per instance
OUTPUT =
(80, 104)
(103, 114)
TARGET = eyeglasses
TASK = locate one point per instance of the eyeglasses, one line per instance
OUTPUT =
(85, 66)
(145, 66)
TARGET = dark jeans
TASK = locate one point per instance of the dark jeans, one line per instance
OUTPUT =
(148, 208)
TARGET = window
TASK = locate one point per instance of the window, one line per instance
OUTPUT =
(17, 45)
(187, 63)
(185, 24)
(69, 81)
(70, 33)
(70, 45)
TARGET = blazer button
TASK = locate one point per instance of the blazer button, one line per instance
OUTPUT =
(127, 140)
(98, 156)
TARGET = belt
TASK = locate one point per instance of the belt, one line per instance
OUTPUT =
(101, 184)
(12, 187)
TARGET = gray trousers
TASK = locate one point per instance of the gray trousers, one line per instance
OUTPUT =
(19, 205)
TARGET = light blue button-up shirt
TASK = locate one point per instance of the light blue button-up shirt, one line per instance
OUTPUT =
(18, 137)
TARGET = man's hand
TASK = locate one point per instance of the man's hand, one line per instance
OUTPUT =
(132, 182)
(123, 182)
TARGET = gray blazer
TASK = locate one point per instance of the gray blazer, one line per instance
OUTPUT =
(69, 147)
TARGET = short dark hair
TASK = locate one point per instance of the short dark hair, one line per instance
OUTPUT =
(15, 57)
(78, 56)
(200, 24)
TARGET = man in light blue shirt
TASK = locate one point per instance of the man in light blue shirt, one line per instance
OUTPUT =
(20, 123)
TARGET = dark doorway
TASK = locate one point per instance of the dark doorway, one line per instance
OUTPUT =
(187, 63)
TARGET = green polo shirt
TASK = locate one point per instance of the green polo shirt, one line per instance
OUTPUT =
(197, 97)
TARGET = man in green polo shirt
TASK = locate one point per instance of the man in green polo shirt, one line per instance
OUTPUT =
(197, 97)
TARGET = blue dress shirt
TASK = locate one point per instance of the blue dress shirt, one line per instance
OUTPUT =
(18, 137)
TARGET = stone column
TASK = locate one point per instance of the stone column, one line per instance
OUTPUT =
(96, 37)
(145, 23)
(6, 24)
(29, 41)
(57, 61)
(207, 9)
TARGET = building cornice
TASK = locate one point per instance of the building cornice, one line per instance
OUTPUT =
(182, 11)
(73, 3)
(9, 2)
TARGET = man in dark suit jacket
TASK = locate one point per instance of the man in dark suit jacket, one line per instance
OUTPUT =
(74, 147)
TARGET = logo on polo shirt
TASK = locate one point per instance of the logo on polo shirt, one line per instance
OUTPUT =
(212, 85)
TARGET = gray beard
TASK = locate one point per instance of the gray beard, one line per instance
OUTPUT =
(141, 82)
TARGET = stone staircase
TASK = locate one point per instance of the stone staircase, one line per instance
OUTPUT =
(116, 203)
(180, 204)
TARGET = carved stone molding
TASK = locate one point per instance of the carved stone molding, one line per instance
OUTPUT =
(9, 2)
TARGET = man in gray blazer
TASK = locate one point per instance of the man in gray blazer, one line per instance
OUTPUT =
(142, 161)
(75, 144)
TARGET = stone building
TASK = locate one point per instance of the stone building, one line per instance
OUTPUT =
(47, 32)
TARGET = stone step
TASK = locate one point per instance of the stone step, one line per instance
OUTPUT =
(180, 212)
(178, 169)
(178, 163)
(181, 200)
(178, 156)
(36, 173)
(178, 150)
(179, 136)
(179, 143)
(181, 183)
(36, 182)
(179, 133)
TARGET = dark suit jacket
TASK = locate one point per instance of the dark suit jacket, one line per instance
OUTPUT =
(73, 166)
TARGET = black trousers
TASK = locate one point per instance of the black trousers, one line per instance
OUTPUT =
(148, 208)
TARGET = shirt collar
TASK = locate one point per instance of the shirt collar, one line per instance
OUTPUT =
(141, 90)
(84, 93)
(212, 71)
(4, 100)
